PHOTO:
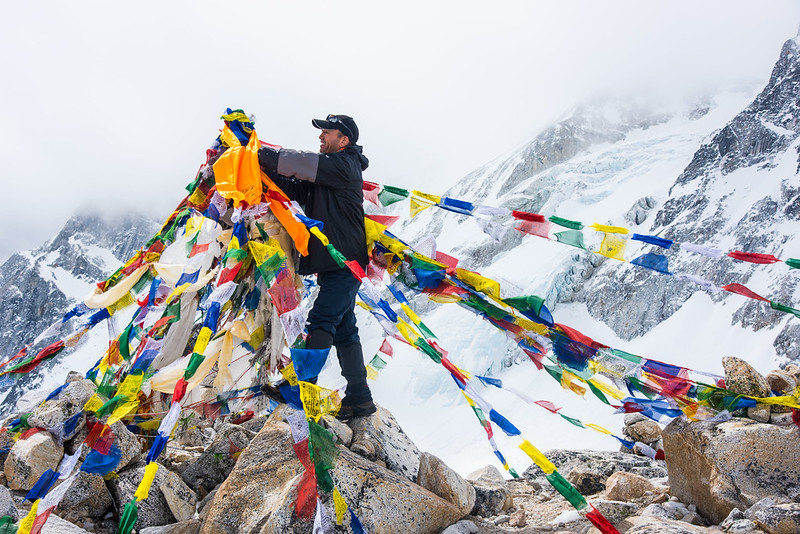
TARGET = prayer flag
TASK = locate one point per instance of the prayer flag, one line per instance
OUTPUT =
(739, 289)
(389, 195)
(525, 216)
(308, 362)
(418, 205)
(537, 228)
(653, 240)
(710, 252)
(793, 263)
(566, 223)
(573, 238)
(753, 257)
(340, 505)
(613, 246)
(653, 261)
(606, 229)
(457, 206)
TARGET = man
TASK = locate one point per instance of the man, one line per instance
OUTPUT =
(329, 187)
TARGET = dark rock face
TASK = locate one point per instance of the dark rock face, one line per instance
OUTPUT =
(30, 296)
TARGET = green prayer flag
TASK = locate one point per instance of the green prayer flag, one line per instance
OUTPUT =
(426, 331)
(626, 355)
(597, 393)
(566, 223)
(377, 362)
(337, 256)
(572, 420)
(107, 386)
(554, 371)
(109, 406)
(793, 263)
(529, 302)
(642, 387)
(573, 238)
(389, 195)
(237, 254)
(425, 347)
(146, 278)
(124, 345)
(128, 519)
(419, 263)
(7, 525)
(513, 473)
(567, 490)
(194, 363)
(324, 452)
(785, 309)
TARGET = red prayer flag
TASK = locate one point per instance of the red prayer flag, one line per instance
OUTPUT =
(525, 216)
(372, 196)
(180, 389)
(370, 186)
(229, 274)
(600, 521)
(796, 417)
(306, 503)
(448, 260)
(453, 370)
(21, 354)
(356, 269)
(41, 519)
(303, 453)
(739, 289)
(549, 406)
(31, 431)
(753, 257)
(539, 229)
(386, 220)
(198, 249)
(386, 348)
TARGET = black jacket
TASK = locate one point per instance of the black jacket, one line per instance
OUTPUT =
(329, 188)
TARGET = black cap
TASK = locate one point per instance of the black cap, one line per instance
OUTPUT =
(343, 123)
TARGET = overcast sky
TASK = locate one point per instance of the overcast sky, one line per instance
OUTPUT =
(113, 104)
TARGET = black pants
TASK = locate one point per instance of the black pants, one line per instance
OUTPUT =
(333, 313)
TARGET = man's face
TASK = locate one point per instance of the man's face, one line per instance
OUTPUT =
(331, 141)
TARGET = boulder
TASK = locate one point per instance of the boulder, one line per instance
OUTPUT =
(56, 525)
(651, 525)
(128, 443)
(491, 494)
(190, 526)
(31, 457)
(260, 493)
(7, 506)
(435, 476)
(603, 462)
(614, 511)
(586, 480)
(391, 445)
(781, 382)
(734, 464)
(775, 518)
(87, 497)
(622, 486)
(760, 413)
(465, 526)
(645, 431)
(216, 463)
(742, 378)
(343, 433)
(70, 401)
(169, 500)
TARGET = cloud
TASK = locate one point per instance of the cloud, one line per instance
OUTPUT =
(113, 105)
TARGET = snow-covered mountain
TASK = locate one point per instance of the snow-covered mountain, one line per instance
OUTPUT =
(39, 286)
(720, 171)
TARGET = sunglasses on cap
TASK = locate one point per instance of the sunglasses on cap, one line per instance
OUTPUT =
(341, 125)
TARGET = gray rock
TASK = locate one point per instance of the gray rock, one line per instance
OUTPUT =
(491, 494)
(694, 518)
(190, 526)
(781, 382)
(634, 417)
(343, 433)
(465, 526)
(57, 525)
(435, 476)
(169, 500)
(733, 516)
(658, 511)
(760, 413)
(742, 378)
(70, 402)
(622, 486)
(7, 506)
(614, 511)
(488, 474)
(665, 526)
(255, 424)
(782, 419)
(391, 445)
(28, 459)
(742, 526)
(87, 497)
(775, 518)
(501, 519)
(218, 460)
(644, 431)
(603, 462)
(128, 443)
(721, 466)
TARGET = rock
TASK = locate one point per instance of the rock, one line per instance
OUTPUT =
(694, 518)
(658, 511)
(664, 526)
(436, 477)
(645, 431)
(392, 446)
(587, 481)
(781, 382)
(600, 461)
(87, 497)
(343, 433)
(257, 423)
(782, 419)
(721, 466)
(70, 402)
(634, 417)
(614, 511)
(491, 494)
(169, 501)
(733, 516)
(465, 526)
(128, 443)
(517, 519)
(760, 413)
(31, 457)
(775, 518)
(742, 526)
(217, 461)
(622, 486)
(742, 378)
(190, 526)
(676, 508)
(501, 519)
(56, 525)
(793, 370)
(7, 506)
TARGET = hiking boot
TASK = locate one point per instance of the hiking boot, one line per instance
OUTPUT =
(350, 411)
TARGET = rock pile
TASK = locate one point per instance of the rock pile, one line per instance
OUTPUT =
(735, 476)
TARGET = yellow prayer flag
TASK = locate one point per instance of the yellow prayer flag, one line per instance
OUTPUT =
(193, 225)
(196, 198)
(373, 229)
(538, 458)
(121, 411)
(143, 491)
(783, 400)
(372, 374)
(126, 300)
(318, 401)
(26, 524)
(428, 197)
(609, 229)
(410, 313)
(240, 330)
(597, 427)
(178, 290)
(256, 337)
(339, 504)
(202, 340)
(479, 283)
(613, 246)
(289, 375)
(406, 331)
(259, 251)
(319, 235)
(130, 386)
(363, 305)
(228, 138)
(418, 205)
(393, 244)
(608, 389)
(93, 404)
(531, 326)
(153, 424)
